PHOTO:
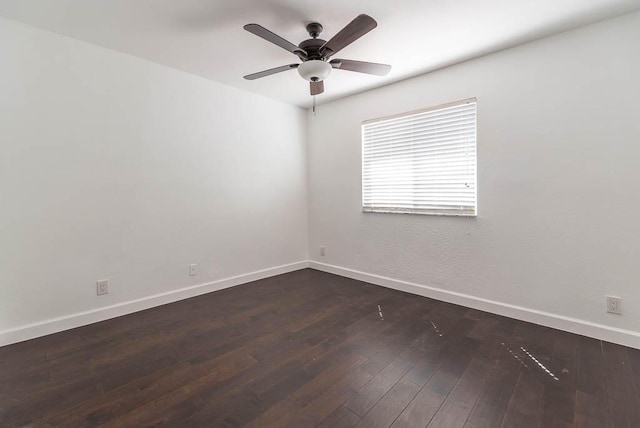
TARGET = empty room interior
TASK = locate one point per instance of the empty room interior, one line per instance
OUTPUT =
(220, 213)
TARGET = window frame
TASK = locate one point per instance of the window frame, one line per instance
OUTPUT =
(422, 211)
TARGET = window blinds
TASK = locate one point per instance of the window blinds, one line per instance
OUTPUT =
(421, 162)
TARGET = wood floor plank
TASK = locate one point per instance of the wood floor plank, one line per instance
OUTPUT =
(634, 358)
(591, 376)
(309, 348)
(313, 403)
(427, 364)
(340, 418)
(390, 406)
(549, 421)
(483, 328)
(381, 383)
(622, 393)
(306, 384)
(459, 403)
(591, 411)
(426, 403)
(49, 401)
(151, 389)
(492, 403)
(525, 406)
(307, 358)
(559, 398)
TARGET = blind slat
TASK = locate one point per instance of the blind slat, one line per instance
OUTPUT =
(423, 162)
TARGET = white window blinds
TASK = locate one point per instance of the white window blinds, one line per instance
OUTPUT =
(421, 162)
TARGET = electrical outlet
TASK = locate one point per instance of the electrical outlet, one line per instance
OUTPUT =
(193, 269)
(322, 250)
(613, 305)
(102, 287)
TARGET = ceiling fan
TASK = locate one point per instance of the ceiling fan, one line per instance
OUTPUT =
(315, 53)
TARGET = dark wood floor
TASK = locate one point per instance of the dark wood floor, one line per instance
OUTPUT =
(310, 349)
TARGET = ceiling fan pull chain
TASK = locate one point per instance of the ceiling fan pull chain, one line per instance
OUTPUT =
(314, 105)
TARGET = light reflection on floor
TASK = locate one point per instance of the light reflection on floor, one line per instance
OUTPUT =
(534, 359)
(539, 364)
(519, 355)
(435, 327)
(513, 354)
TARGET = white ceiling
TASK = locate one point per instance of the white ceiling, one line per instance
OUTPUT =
(206, 38)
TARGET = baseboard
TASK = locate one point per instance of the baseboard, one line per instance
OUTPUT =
(79, 319)
(585, 328)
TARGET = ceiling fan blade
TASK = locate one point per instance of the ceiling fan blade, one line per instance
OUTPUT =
(269, 36)
(271, 71)
(361, 66)
(317, 87)
(349, 34)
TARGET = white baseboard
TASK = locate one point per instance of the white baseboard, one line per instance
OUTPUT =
(79, 319)
(573, 325)
(585, 328)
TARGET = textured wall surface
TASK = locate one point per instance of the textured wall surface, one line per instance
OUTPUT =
(114, 167)
(558, 179)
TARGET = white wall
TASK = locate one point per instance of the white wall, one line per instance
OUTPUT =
(114, 167)
(558, 180)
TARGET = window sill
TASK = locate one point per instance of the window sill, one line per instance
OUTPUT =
(414, 212)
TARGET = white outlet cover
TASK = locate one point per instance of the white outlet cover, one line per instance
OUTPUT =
(193, 269)
(102, 287)
(613, 305)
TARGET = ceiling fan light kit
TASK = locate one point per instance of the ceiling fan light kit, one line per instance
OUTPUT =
(314, 70)
(315, 53)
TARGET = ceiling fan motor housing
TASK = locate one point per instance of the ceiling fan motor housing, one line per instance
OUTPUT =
(312, 48)
(314, 68)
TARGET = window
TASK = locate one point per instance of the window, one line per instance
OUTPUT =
(421, 162)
